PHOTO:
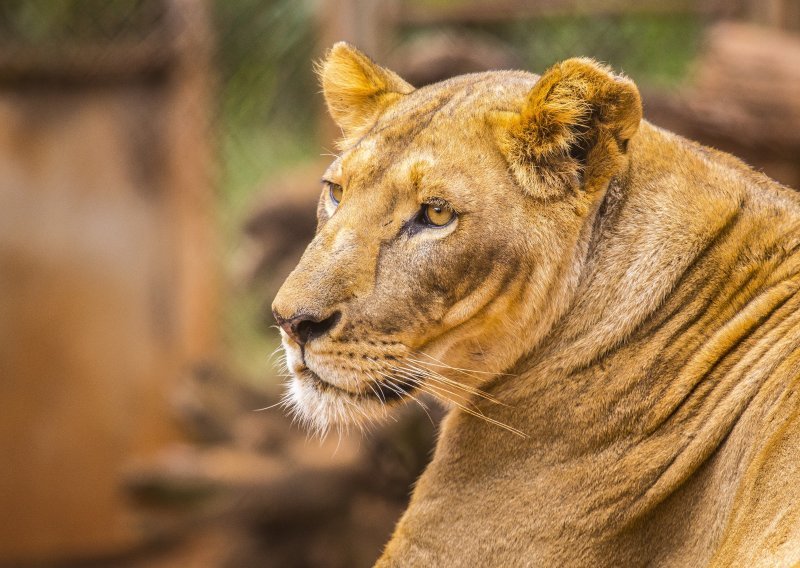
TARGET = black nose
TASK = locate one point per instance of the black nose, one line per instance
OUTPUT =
(303, 328)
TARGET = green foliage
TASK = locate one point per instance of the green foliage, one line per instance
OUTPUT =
(654, 50)
(651, 49)
(267, 92)
(265, 50)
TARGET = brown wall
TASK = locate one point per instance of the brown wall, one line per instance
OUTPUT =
(107, 290)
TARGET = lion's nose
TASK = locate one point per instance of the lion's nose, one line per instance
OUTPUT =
(305, 327)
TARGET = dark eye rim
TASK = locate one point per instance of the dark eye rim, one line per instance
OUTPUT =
(425, 220)
(331, 187)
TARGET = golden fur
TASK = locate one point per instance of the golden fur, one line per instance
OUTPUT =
(613, 317)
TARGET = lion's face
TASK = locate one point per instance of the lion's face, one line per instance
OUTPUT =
(433, 268)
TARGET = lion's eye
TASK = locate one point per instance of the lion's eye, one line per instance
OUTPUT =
(437, 214)
(335, 191)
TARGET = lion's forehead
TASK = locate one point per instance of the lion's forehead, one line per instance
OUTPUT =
(406, 167)
(460, 98)
(440, 113)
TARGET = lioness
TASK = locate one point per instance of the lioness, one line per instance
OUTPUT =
(611, 311)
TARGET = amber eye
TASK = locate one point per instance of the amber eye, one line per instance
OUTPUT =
(437, 214)
(335, 191)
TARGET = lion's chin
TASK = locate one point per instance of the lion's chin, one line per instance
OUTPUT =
(321, 406)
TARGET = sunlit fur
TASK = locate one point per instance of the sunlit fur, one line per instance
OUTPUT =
(613, 317)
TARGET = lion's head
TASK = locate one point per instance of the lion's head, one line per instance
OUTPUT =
(452, 229)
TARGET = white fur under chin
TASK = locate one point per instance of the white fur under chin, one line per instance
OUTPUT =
(320, 411)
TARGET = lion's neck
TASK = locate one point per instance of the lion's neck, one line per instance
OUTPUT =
(669, 345)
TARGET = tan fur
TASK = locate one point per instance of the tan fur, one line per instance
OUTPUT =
(613, 317)
(355, 89)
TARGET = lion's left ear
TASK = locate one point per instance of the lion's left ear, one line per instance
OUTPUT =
(573, 129)
(356, 89)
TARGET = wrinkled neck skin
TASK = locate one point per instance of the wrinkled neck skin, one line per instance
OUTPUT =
(678, 341)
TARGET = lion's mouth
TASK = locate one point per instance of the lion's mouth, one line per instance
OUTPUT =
(380, 391)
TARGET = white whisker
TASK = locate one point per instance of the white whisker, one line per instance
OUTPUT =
(455, 384)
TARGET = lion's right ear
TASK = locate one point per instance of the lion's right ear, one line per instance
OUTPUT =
(573, 129)
(356, 89)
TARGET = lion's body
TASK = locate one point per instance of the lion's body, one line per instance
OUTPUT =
(665, 428)
(622, 298)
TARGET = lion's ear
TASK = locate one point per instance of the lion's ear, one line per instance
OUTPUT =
(356, 89)
(573, 129)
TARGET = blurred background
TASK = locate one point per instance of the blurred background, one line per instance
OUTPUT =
(159, 166)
